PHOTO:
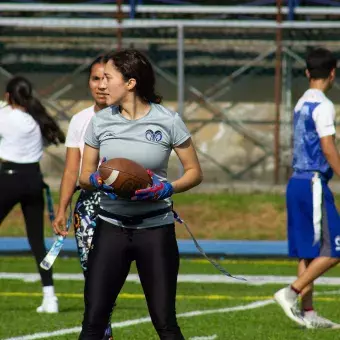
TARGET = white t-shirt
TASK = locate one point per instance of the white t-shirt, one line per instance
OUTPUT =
(77, 128)
(20, 137)
(323, 115)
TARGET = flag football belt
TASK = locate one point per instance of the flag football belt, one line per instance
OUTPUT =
(134, 220)
(16, 171)
(200, 249)
(7, 167)
(310, 175)
(9, 171)
(54, 251)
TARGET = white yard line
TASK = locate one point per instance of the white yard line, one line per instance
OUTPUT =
(190, 278)
(212, 337)
(328, 292)
(127, 323)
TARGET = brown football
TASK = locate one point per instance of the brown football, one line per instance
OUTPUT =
(124, 176)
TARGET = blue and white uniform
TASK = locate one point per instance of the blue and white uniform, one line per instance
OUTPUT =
(313, 221)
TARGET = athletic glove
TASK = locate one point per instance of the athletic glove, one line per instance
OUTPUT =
(158, 191)
(97, 182)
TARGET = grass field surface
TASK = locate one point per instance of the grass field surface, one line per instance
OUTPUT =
(209, 306)
(219, 216)
(206, 311)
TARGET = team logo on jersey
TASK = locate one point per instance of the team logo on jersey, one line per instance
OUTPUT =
(109, 134)
(153, 136)
(337, 243)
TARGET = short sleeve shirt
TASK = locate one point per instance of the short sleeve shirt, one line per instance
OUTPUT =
(314, 118)
(77, 128)
(147, 141)
(20, 136)
(324, 118)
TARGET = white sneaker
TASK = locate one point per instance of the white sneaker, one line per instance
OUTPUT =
(313, 320)
(49, 305)
(289, 303)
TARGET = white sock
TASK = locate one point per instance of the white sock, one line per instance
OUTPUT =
(309, 312)
(48, 291)
(291, 294)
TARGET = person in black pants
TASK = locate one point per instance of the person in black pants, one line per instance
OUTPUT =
(87, 205)
(25, 127)
(135, 126)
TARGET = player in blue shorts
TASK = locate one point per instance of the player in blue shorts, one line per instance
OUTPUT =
(313, 220)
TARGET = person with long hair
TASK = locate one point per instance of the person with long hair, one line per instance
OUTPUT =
(25, 128)
(87, 205)
(135, 126)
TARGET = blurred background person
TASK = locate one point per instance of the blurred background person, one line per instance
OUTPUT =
(25, 128)
(87, 204)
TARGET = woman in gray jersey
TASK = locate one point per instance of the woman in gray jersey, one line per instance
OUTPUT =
(137, 127)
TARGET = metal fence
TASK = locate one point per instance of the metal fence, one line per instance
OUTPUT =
(233, 81)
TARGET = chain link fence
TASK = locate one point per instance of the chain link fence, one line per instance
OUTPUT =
(221, 79)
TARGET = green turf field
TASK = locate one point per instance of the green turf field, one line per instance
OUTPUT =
(222, 310)
(210, 216)
(224, 216)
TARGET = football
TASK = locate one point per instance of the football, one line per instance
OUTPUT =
(124, 176)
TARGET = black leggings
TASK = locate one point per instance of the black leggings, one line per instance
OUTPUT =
(156, 254)
(23, 183)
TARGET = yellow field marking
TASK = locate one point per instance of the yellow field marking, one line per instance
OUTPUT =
(179, 297)
(229, 261)
(235, 261)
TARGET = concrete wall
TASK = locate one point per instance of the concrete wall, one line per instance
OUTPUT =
(249, 99)
(218, 140)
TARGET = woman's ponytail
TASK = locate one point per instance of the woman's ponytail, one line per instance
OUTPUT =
(50, 130)
(19, 91)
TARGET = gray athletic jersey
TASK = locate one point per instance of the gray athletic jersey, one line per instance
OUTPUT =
(147, 141)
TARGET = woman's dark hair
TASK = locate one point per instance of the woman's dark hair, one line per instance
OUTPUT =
(19, 90)
(320, 62)
(133, 64)
(99, 60)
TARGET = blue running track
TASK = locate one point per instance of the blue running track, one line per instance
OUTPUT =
(220, 248)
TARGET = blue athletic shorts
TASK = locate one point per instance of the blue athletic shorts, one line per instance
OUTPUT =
(313, 222)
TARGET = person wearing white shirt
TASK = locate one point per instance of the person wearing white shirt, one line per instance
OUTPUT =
(313, 223)
(25, 127)
(87, 204)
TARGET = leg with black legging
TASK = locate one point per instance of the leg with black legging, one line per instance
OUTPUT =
(32, 204)
(10, 194)
(85, 221)
(108, 266)
(157, 261)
